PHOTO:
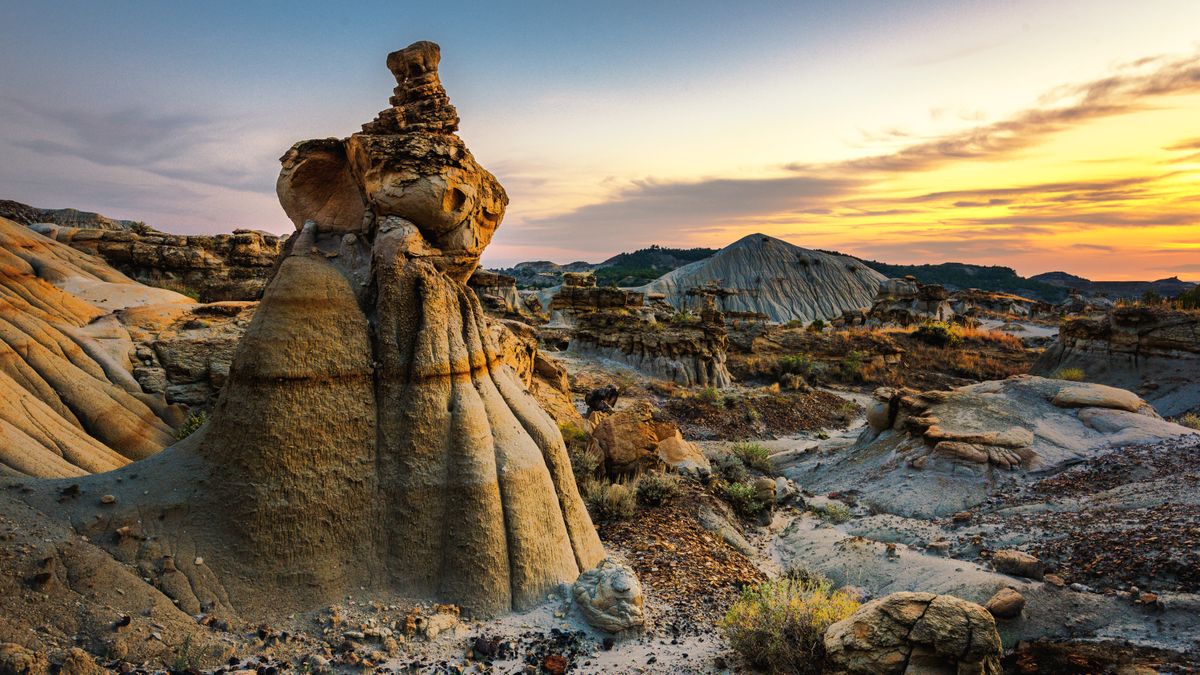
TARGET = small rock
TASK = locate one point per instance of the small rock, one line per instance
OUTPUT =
(1055, 580)
(1007, 603)
(1018, 563)
(108, 499)
(1148, 598)
(555, 664)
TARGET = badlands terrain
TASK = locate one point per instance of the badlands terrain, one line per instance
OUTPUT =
(354, 449)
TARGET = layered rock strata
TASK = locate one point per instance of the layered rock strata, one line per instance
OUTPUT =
(933, 453)
(1153, 351)
(212, 268)
(906, 302)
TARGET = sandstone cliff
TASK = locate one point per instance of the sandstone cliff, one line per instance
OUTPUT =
(765, 275)
(70, 405)
(210, 268)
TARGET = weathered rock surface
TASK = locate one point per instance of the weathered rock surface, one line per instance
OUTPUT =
(764, 275)
(935, 453)
(906, 302)
(498, 293)
(975, 302)
(69, 403)
(1149, 350)
(610, 597)
(1006, 604)
(212, 267)
(631, 440)
(369, 436)
(915, 633)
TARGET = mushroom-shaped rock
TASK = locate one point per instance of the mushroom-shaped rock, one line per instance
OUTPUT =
(610, 597)
(370, 434)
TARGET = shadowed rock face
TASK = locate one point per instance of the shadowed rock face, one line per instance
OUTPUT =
(369, 434)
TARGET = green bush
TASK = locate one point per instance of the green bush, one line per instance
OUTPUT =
(779, 626)
(656, 489)
(744, 499)
(836, 513)
(193, 422)
(1069, 374)
(710, 395)
(852, 364)
(797, 364)
(728, 466)
(608, 501)
(1189, 299)
(753, 455)
(816, 326)
(938, 334)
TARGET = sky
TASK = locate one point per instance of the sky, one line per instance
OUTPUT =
(1039, 135)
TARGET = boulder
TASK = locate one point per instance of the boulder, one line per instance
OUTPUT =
(17, 660)
(915, 632)
(1018, 564)
(610, 597)
(1007, 603)
(631, 440)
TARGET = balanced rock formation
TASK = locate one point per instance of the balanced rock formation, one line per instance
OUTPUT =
(763, 275)
(933, 453)
(1154, 351)
(369, 435)
(915, 633)
(906, 302)
(211, 267)
(68, 402)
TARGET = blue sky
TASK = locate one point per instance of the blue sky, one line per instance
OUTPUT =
(613, 125)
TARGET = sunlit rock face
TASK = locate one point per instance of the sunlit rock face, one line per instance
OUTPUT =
(369, 437)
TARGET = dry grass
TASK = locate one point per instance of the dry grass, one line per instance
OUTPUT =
(779, 626)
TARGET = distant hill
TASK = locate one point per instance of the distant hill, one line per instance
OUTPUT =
(1167, 288)
(29, 215)
(769, 276)
(958, 276)
(624, 269)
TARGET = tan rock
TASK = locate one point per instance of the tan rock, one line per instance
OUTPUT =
(610, 597)
(630, 441)
(17, 660)
(1017, 563)
(1098, 396)
(922, 632)
(1007, 603)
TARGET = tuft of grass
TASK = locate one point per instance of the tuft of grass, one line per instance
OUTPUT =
(656, 489)
(852, 365)
(1190, 420)
(193, 422)
(836, 513)
(744, 499)
(728, 466)
(753, 455)
(1069, 374)
(797, 364)
(607, 501)
(938, 334)
(710, 395)
(779, 626)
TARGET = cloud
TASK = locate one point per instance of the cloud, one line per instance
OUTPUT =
(651, 210)
(189, 147)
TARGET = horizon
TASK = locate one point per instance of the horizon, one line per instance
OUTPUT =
(1038, 138)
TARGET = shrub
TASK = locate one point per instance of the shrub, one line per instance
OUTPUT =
(816, 326)
(779, 626)
(728, 466)
(1069, 374)
(794, 323)
(656, 489)
(710, 395)
(744, 499)
(611, 501)
(852, 365)
(1190, 420)
(797, 364)
(193, 422)
(938, 334)
(836, 513)
(1189, 299)
(753, 455)
(583, 463)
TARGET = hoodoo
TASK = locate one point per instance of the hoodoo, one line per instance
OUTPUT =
(369, 435)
